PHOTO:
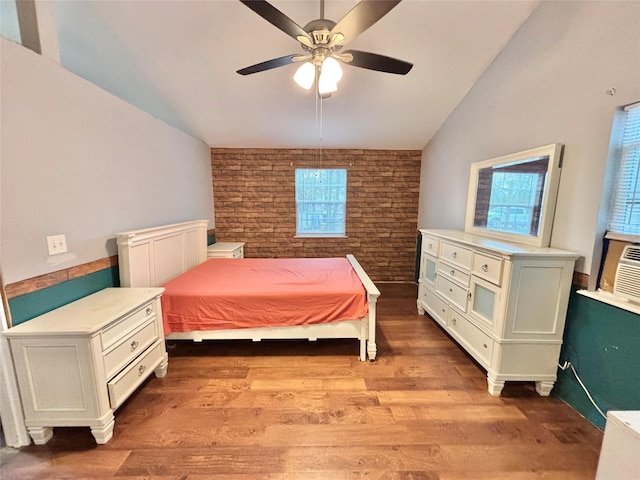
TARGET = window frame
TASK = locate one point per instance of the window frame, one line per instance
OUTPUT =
(625, 198)
(302, 233)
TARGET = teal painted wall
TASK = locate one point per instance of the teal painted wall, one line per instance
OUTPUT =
(25, 307)
(28, 306)
(602, 343)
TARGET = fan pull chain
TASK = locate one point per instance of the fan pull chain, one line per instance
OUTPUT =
(319, 105)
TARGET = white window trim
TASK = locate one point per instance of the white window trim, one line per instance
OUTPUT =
(299, 234)
(620, 148)
(598, 294)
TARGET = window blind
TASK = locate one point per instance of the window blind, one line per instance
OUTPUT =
(625, 216)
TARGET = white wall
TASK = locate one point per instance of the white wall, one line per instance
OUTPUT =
(79, 161)
(548, 85)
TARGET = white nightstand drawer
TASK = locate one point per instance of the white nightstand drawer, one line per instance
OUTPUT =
(487, 267)
(456, 254)
(128, 380)
(114, 332)
(132, 346)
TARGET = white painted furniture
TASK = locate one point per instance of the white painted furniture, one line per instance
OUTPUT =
(77, 364)
(226, 250)
(505, 303)
(151, 256)
(620, 453)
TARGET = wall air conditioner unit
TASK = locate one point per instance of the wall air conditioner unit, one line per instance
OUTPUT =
(627, 281)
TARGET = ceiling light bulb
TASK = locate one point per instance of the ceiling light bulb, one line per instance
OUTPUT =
(331, 68)
(305, 75)
(325, 85)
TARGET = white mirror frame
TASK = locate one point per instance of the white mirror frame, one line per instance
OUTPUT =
(549, 196)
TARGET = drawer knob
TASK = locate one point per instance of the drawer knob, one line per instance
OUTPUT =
(134, 345)
(453, 272)
(485, 268)
(141, 370)
(148, 310)
(484, 345)
(469, 296)
(454, 322)
(454, 254)
(430, 246)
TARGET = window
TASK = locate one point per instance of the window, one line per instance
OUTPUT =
(321, 196)
(625, 214)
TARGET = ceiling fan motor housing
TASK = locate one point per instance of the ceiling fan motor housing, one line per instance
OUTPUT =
(320, 30)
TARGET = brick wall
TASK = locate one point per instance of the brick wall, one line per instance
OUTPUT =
(254, 202)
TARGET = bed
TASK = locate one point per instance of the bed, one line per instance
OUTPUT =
(249, 299)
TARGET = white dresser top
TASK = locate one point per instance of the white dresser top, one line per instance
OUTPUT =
(502, 247)
(88, 314)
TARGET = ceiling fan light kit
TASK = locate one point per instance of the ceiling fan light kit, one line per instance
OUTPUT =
(322, 41)
(328, 73)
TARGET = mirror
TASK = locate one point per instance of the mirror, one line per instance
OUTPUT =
(514, 197)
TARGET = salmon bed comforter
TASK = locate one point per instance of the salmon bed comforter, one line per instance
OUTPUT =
(230, 293)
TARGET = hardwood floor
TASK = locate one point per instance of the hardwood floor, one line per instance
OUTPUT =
(298, 410)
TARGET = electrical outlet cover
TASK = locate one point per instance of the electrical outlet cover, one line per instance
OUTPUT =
(57, 244)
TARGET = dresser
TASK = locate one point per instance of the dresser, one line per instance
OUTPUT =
(226, 250)
(77, 364)
(505, 303)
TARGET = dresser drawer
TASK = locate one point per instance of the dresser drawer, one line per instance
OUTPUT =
(476, 341)
(456, 255)
(124, 352)
(120, 328)
(129, 379)
(437, 307)
(488, 267)
(462, 276)
(430, 245)
(454, 292)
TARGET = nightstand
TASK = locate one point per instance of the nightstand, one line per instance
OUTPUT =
(78, 363)
(226, 250)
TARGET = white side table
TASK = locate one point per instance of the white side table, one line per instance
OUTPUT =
(226, 250)
(78, 363)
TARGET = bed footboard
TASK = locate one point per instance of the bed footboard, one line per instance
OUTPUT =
(372, 297)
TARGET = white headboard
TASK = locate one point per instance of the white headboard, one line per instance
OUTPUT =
(152, 256)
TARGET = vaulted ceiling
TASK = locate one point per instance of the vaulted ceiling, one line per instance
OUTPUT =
(177, 60)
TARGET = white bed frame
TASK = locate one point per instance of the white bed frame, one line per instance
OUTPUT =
(152, 256)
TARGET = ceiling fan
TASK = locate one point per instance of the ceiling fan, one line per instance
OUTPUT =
(322, 41)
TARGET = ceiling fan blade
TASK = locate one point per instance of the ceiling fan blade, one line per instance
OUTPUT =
(274, 16)
(269, 64)
(381, 63)
(361, 17)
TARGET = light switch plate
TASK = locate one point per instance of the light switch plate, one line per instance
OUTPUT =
(57, 244)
